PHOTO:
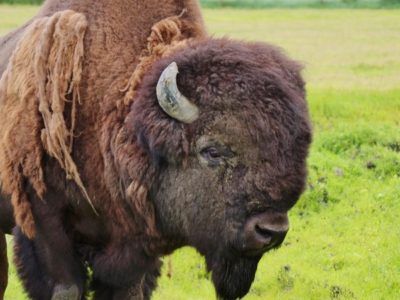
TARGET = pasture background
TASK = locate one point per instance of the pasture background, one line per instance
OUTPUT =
(273, 3)
(344, 241)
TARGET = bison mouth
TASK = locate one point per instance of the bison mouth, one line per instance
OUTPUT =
(232, 276)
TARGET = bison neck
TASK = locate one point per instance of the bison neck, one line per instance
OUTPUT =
(117, 34)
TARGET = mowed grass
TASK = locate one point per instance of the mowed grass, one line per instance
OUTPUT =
(344, 241)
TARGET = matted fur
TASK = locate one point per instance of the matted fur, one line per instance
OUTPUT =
(167, 36)
(33, 91)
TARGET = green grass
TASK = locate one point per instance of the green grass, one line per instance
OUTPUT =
(253, 4)
(344, 241)
(12, 16)
(274, 3)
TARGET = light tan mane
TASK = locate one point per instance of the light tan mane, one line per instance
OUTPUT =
(45, 67)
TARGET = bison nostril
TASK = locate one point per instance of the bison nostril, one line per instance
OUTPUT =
(264, 233)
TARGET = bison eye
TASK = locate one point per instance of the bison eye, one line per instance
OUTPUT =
(210, 153)
(216, 155)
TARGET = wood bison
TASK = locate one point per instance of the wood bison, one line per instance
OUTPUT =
(126, 132)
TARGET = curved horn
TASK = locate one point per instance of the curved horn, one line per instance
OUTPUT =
(170, 98)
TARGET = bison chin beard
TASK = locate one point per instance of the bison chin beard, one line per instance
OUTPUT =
(233, 276)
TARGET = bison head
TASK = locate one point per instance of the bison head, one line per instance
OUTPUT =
(226, 127)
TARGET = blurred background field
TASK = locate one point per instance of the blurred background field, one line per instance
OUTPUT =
(300, 3)
(272, 3)
(344, 241)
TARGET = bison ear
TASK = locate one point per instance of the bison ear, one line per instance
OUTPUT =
(171, 99)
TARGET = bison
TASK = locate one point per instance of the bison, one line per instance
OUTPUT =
(6, 225)
(127, 132)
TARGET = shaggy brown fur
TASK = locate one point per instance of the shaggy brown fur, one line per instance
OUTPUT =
(103, 54)
(34, 127)
(166, 37)
(132, 157)
(33, 92)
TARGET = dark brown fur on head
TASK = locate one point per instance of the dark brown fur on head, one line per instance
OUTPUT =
(220, 75)
(248, 92)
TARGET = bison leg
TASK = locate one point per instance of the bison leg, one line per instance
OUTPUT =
(3, 265)
(53, 248)
(150, 281)
(30, 270)
(104, 292)
(6, 225)
(140, 291)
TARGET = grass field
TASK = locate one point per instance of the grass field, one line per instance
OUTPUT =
(344, 241)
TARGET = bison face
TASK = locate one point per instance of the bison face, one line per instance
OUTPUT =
(231, 159)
